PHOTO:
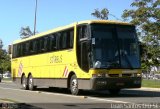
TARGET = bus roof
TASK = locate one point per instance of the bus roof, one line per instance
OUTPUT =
(104, 22)
(72, 25)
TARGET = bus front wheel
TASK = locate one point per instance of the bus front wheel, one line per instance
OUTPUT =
(74, 85)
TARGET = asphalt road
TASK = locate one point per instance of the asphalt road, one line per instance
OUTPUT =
(57, 98)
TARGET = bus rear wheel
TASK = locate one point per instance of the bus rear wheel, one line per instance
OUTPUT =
(74, 85)
(30, 83)
(24, 82)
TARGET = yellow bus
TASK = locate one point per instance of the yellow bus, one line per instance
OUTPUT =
(91, 55)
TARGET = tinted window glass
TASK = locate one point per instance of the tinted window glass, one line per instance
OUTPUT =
(52, 42)
(56, 41)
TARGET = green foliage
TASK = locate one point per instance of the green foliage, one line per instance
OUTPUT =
(5, 64)
(146, 16)
(1, 44)
(103, 14)
(25, 32)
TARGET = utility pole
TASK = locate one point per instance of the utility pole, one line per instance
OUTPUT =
(35, 18)
(1, 44)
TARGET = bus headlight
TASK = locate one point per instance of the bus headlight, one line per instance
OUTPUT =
(100, 75)
(136, 75)
(106, 75)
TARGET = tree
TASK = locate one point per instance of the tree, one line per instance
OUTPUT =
(5, 64)
(103, 14)
(25, 32)
(146, 16)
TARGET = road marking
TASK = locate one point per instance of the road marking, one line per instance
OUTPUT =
(4, 81)
(59, 94)
(115, 101)
(6, 100)
(88, 97)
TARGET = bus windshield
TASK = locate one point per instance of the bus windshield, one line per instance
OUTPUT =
(114, 46)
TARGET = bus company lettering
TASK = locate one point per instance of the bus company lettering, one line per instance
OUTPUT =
(56, 59)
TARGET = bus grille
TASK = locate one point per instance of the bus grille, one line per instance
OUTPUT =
(126, 75)
(114, 75)
(120, 75)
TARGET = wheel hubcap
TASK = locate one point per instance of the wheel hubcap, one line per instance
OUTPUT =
(74, 85)
(24, 83)
(30, 82)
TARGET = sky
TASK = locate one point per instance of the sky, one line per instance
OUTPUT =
(15, 14)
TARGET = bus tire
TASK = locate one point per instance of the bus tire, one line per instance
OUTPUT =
(24, 82)
(30, 83)
(74, 85)
(114, 91)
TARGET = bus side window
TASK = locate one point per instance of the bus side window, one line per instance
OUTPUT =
(69, 40)
(71, 37)
(38, 45)
(19, 51)
(17, 54)
(24, 48)
(27, 48)
(58, 41)
(15, 51)
(31, 48)
(52, 42)
(61, 41)
(46, 44)
(42, 48)
(35, 46)
(64, 40)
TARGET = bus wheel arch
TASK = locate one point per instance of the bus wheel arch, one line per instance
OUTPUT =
(29, 74)
(22, 77)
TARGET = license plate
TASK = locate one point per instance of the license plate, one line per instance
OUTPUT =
(120, 84)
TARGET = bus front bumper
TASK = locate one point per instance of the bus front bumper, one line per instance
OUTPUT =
(115, 83)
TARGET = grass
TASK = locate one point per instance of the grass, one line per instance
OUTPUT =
(151, 83)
